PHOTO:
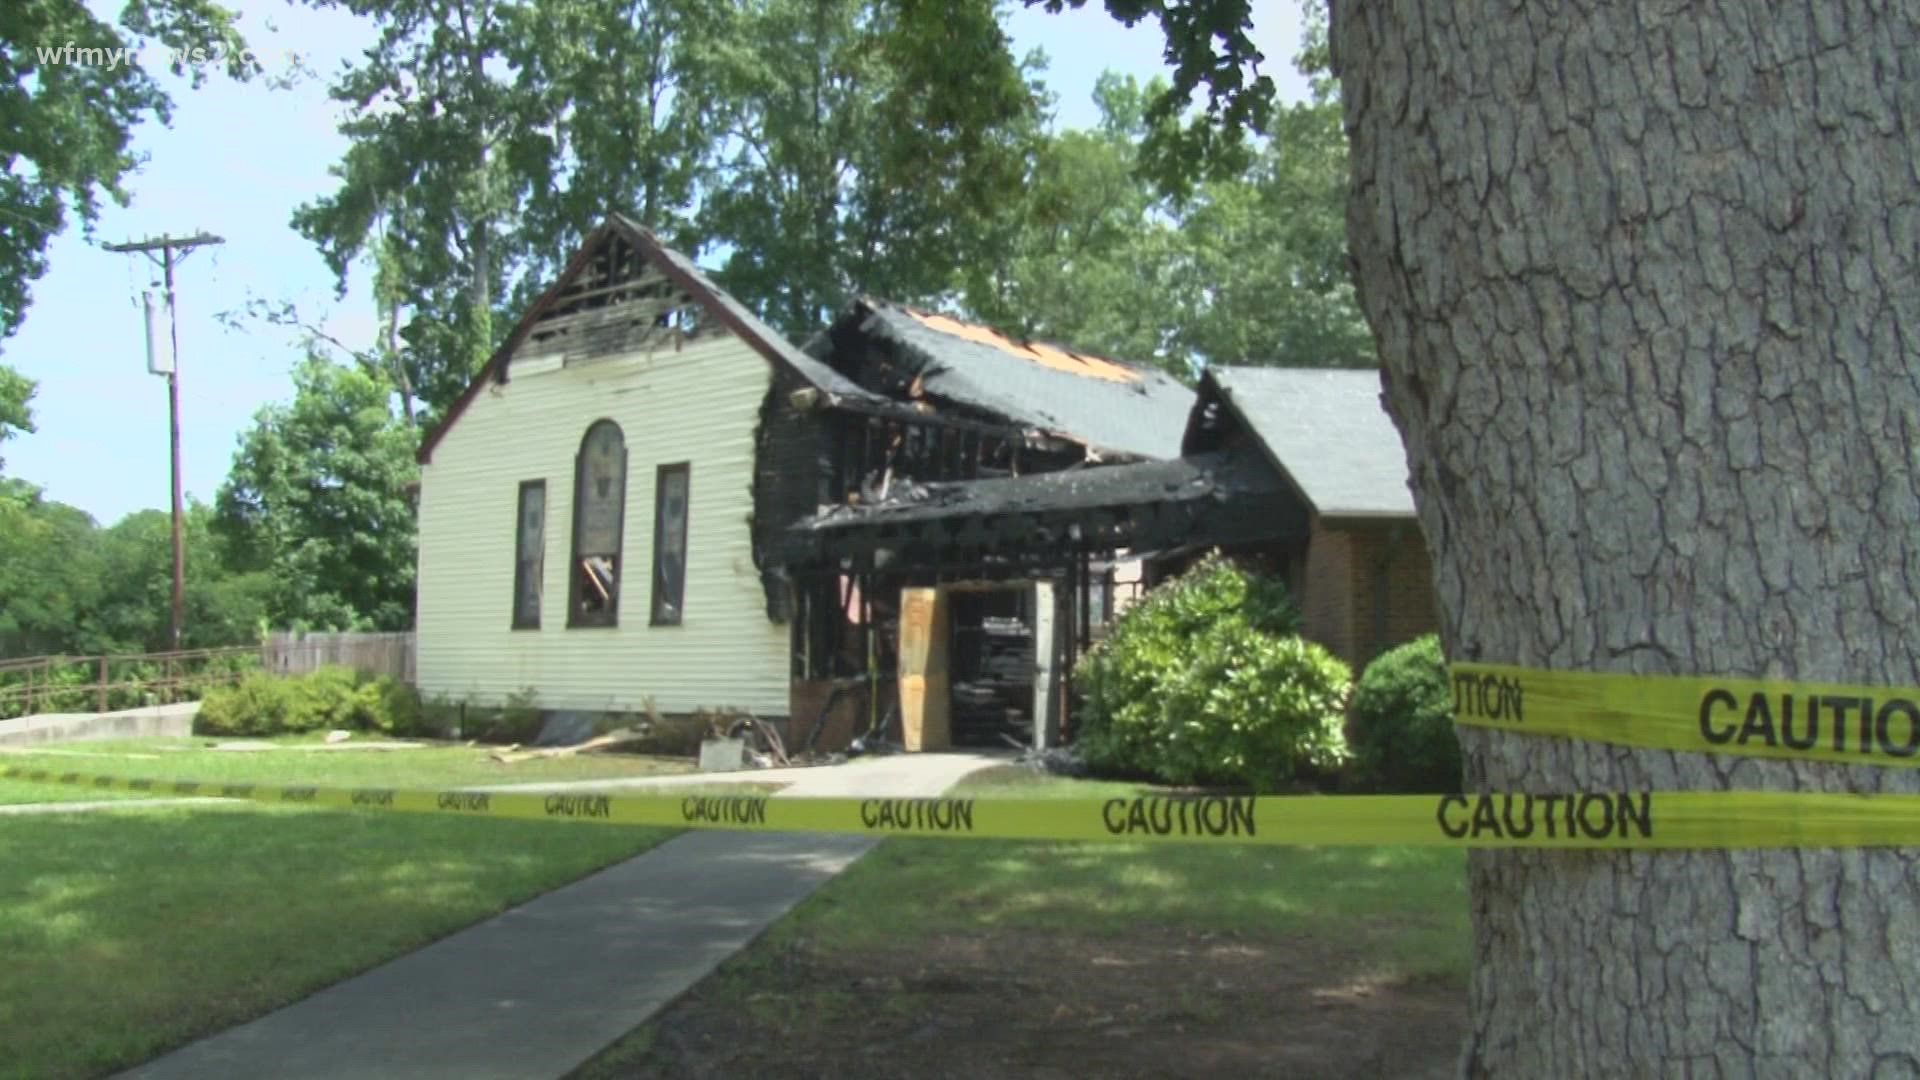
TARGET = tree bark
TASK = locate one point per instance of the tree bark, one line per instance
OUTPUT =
(1645, 283)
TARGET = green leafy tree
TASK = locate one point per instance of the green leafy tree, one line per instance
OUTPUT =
(16, 410)
(318, 499)
(75, 588)
(439, 132)
(487, 136)
(870, 143)
(1209, 46)
(48, 573)
(1091, 255)
(132, 609)
(1251, 269)
(72, 587)
(625, 88)
(1266, 255)
(66, 116)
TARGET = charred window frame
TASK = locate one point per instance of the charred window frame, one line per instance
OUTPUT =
(529, 552)
(672, 488)
(599, 520)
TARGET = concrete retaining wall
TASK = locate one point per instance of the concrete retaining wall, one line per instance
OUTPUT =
(158, 720)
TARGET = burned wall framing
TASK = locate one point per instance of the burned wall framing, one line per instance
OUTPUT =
(619, 302)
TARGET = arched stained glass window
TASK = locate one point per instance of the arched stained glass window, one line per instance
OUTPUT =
(599, 509)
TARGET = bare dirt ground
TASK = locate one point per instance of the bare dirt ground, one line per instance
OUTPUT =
(1026, 1004)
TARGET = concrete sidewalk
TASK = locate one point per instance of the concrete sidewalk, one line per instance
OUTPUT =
(878, 775)
(536, 991)
(85, 805)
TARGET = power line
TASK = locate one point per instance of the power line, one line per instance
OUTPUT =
(173, 250)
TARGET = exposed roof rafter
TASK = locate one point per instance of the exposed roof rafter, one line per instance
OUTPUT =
(620, 251)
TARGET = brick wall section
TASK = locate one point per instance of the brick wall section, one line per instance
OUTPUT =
(1412, 607)
(1325, 590)
(1345, 581)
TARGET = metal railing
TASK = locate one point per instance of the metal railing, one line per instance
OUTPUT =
(39, 684)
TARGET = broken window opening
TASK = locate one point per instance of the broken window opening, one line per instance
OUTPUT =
(529, 549)
(616, 302)
(599, 509)
(686, 319)
(670, 492)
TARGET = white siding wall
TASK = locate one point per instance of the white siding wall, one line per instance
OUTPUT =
(698, 405)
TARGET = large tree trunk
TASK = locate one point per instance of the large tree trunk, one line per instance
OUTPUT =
(1643, 277)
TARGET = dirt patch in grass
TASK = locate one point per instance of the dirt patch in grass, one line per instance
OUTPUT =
(1154, 1003)
(986, 959)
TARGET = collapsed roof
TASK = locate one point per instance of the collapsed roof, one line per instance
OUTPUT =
(1108, 406)
(1146, 506)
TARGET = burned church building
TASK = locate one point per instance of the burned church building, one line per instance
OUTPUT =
(910, 528)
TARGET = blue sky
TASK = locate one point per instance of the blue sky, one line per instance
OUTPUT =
(235, 162)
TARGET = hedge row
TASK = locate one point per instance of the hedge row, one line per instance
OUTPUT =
(327, 699)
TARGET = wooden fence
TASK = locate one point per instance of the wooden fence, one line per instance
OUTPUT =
(368, 653)
(42, 684)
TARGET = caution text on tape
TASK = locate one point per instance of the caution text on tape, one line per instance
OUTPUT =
(1859, 725)
(1594, 819)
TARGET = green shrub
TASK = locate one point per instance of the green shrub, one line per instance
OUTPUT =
(65, 686)
(1203, 682)
(391, 707)
(440, 717)
(517, 720)
(124, 690)
(323, 700)
(258, 704)
(1402, 722)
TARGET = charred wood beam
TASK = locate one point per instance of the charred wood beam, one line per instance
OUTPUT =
(645, 286)
(1085, 569)
(911, 415)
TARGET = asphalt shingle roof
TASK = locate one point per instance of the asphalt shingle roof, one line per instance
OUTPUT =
(1328, 430)
(1108, 405)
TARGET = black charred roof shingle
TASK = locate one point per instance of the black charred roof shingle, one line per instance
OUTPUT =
(1143, 416)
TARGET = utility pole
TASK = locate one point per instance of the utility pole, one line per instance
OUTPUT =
(173, 250)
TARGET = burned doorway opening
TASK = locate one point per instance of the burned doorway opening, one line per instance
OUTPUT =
(845, 636)
(991, 666)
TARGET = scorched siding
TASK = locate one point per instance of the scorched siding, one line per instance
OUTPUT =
(698, 404)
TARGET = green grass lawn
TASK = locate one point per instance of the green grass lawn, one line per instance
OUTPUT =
(128, 932)
(1388, 914)
(1403, 909)
(296, 762)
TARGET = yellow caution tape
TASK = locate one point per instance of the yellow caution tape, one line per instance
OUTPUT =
(1776, 718)
(1579, 820)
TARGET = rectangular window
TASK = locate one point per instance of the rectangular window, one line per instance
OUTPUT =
(669, 543)
(529, 547)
